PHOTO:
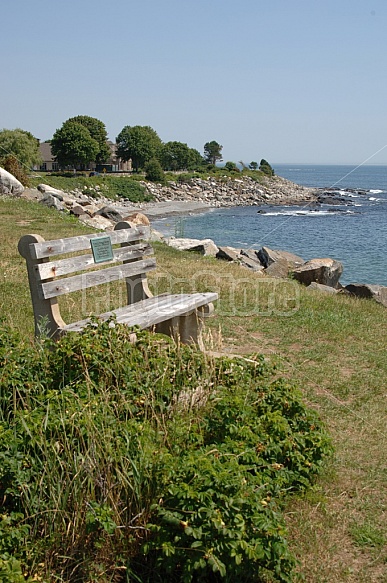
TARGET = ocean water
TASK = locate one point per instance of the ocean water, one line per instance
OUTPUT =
(354, 233)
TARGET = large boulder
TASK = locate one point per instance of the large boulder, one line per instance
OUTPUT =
(366, 290)
(250, 263)
(137, 219)
(228, 253)
(97, 222)
(322, 288)
(108, 212)
(278, 269)
(47, 189)
(204, 246)
(251, 254)
(268, 256)
(9, 184)
(52, 202)
(326, 271)
(78, 211)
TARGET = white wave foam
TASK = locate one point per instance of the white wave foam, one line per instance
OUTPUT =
(305, 213)
(376, 191)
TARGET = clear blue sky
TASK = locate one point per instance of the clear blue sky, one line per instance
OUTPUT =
(301, 81)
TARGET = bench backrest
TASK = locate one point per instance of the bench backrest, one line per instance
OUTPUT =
(51, 276)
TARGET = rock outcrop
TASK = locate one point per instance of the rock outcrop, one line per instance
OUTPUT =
(268, 256)
(203, 246)
(369, 291)
(326, 271)
(9, 184)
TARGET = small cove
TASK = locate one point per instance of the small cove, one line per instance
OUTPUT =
(354, 233)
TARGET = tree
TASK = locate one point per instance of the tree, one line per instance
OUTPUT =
(253, 165)
(154, 171)
(178, 156)
(212, 152)
(98, 132)
(22, 145)
(175, 156)
(195, 159)
(231, 167)
(72, 145)
(138, 143)
(265, 167)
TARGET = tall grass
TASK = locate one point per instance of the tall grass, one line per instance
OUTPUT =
(332, 347)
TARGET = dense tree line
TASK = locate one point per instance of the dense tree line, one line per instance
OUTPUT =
(83, 140)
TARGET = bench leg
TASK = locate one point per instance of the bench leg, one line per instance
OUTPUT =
(187, 329)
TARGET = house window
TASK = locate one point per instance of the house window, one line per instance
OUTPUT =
(55, 166)
(43, 166)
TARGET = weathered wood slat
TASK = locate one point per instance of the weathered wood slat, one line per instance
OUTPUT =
(179, 316)
(152, 311)
(82, 242)
(59, 287)
(72, 264)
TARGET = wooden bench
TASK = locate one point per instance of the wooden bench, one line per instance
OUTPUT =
(123, 254)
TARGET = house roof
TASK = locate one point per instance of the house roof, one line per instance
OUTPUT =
(45, 152)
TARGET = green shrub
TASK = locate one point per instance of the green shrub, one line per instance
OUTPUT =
(110, 186)
(265, 167)
(231, 167)
(185, 178)
(149, 458)
(154, 171)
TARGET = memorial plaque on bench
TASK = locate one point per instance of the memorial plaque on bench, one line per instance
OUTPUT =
(102, 249)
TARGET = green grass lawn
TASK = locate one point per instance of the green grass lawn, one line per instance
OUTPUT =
(333, 347)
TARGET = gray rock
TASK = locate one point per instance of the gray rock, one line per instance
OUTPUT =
(268, 256)
(97, 222)
(110, 213)
(252, 264)
(77, 210)
(278, 269)
(322, 288)
(52, 202)
(204, 246)
(326, 271)
(32, 194)
(89, 208)
(156, 236)
(366, 290)
(9, 184)
(46, 189)
(228, 253)
(251, 254)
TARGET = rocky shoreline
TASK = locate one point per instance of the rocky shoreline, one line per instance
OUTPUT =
(199, 195)
(233, 192)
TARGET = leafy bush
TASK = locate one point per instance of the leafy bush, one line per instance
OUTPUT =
(150, 459)
(185, 178)
(154, 171)
(265, 167)
(11, 164)
(110, 186)
(231, 167)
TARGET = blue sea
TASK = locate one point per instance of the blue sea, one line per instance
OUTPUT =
(354, 233)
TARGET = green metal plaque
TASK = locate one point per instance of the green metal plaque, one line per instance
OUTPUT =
(102, 249)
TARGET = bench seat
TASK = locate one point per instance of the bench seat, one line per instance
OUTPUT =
(152, 311)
